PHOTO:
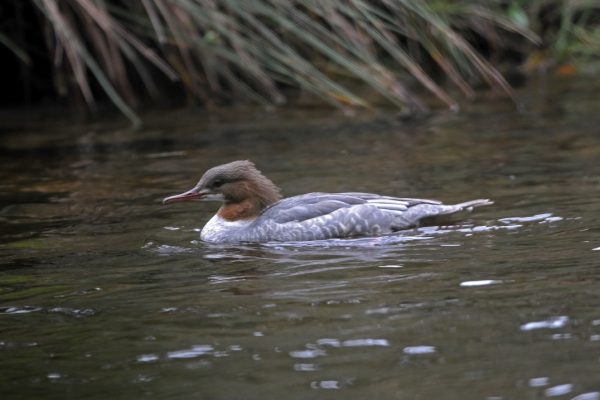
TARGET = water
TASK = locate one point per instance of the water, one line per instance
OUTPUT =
(105, 293)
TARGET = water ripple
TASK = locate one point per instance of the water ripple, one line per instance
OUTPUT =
(365, 342)
(551, 323)
(419, 350)
(80, 292)
(325, 385)
(19, 310)
(587, 396)
(484, 282)
(559, 390)
(539, 381)
(308, 353)
(146, 358)
(305, 367)
(74, 312)
(328, 342)
(195, 351)
(532, 218)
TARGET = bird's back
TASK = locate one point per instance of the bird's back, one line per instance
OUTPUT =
(317, 216)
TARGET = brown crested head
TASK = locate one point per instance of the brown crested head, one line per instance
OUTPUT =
(235, 182)
(238, 181)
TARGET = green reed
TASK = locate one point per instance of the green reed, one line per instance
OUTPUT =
(220, 51)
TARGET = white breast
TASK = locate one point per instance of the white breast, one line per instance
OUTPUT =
(219, 229)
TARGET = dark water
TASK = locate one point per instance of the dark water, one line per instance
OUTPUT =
(105, 293)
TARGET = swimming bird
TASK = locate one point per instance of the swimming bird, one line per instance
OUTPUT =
(252, 209)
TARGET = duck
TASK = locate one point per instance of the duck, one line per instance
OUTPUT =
(253, 211)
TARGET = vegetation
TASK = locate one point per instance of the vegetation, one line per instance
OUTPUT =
(221, 51)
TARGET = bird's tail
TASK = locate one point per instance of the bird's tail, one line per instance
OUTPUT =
(434, 214)
(470, 205)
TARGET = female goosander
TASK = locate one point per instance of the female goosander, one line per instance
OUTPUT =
(253, 211)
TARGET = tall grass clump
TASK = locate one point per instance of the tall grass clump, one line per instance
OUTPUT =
(219, 51)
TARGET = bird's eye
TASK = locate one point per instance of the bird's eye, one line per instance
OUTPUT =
(218, 183)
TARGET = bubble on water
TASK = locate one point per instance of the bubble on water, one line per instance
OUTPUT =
(54, 375)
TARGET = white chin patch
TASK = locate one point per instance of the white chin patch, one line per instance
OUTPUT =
(213, 197)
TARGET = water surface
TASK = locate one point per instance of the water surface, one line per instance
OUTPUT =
(105, 293)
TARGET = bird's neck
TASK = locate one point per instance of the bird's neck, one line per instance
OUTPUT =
(247, 199)
(247, 209)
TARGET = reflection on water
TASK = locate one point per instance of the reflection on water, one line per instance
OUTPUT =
(105, 293)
